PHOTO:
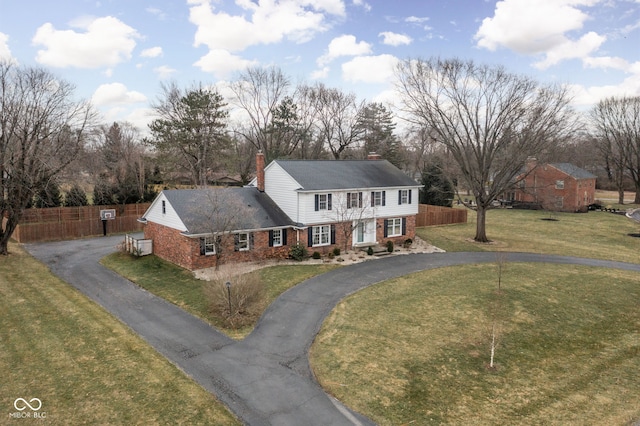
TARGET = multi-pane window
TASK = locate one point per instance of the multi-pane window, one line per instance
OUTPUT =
(559, 184)
(404, 196)
(377, 199)
(394, 227)
(243, 242)
(321, 235)
(323, 201)
(277, 237)
(207, 246)
(354, 200)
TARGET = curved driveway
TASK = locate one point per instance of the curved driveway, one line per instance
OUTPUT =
(264, 379)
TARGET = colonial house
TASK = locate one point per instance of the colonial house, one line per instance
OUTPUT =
(320, 204)
(560, 187)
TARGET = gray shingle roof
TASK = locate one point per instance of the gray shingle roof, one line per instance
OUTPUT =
(574, 171)
(249, 208)
(314, 175)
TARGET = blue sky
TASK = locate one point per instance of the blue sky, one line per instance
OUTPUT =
(117, 52)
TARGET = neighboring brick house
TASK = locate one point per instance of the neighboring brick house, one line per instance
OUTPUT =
(316, 203)
(558, 187)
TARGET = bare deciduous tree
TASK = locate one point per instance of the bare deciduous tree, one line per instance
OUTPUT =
(42, 129)
(616, 124)
(337, 117)
(489, 120)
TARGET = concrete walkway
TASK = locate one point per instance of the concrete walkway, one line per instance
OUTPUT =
(264, 379)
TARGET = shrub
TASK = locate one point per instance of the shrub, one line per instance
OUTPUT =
(336, 251)
(370, 251)
(407, 243)
(331, 255)
(390, 246)
(298, 252)
(316, 255)
(246, 296)
(75, 197)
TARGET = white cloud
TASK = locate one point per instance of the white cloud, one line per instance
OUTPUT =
(394, 39)
(163, 72)
(366, 6)
(539, 27)
(222, 63)
(320, 74)
(270, 21)
(606, 62)
(152, 52)
(5, 52)
(345, 45)
(370, 69)
(105, 42)
(113, 94)
(416, 19)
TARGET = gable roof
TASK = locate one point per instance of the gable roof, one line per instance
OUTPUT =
(251, 208)
(573, 171)
(314, 175)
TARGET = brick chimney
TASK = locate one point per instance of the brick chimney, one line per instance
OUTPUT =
(374, 156)
(260, 170)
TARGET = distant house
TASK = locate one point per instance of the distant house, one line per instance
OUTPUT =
(316, 203)
(561, 187)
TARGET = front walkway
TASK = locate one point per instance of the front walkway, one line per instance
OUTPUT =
(264, 379)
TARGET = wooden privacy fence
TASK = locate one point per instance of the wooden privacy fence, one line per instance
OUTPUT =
(65, 223)
(436, 215)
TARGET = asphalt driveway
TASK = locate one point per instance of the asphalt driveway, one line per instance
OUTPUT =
(264, 379)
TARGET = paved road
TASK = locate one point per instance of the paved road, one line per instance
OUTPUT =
(264, 379)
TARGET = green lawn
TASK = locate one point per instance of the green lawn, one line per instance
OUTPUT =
(598, 235)
(84, 365)
(416, 350)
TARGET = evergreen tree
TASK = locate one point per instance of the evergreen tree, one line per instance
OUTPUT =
(49, 196)
(437, 189)
(75, 197)
(377, 125)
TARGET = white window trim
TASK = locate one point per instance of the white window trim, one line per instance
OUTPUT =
(404, 196)
(277, 240)
(377, 198)
(323, 204)
(319, 232)
(245, 241)
(392, 224)
(209, 242)
(560, 184)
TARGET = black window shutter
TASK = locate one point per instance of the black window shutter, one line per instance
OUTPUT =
(202, 247)
(317, 202)
(404, 226)
(284, 237)
(360, 200)
(333, 234)
(250, 242)
(386, 223)
(399, 196)
(236, 242)
(328, 201)
(410, 191)
(383, 197)
(310, 237)
(271, 238)
(348, 200)
(373, 199)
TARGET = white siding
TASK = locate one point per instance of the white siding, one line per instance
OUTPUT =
(281, 187)
(308, 215)
(169, 218)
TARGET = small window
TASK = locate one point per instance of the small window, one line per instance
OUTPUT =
(404, 197)
(377, 198)
(321, 235)
(559, 184)
(394, 227)
(164, 207)
(207, 246)
(323, 202)
(354, 200)
(242, 242)
(277, 237)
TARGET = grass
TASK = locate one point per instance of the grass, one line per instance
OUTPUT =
(178, 285)
(599, 235)
(415, 350)
(84, 365)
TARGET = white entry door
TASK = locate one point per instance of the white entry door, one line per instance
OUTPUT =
(364, 232)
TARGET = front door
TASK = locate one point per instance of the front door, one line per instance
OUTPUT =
(364, 232)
